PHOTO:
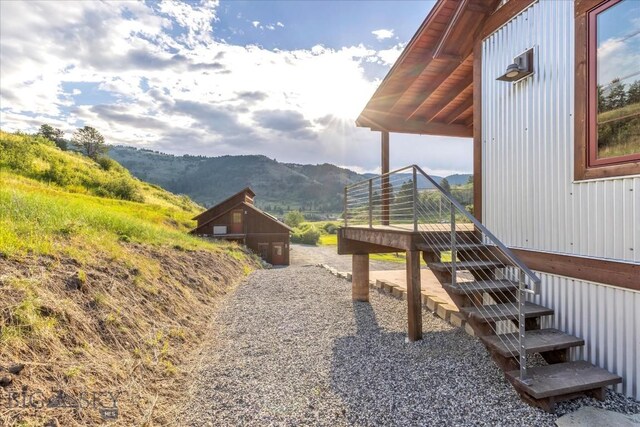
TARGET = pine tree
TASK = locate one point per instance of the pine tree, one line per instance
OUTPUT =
(617, 97)
(633, 94)
(445, 185)
(90, 141)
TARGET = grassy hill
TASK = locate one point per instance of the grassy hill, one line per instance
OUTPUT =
(101, 288)
(279, 186)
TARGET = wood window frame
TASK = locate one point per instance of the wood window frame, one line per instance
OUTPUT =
(236, 214)
(585, 128)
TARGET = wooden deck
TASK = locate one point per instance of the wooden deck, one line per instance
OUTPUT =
(392, 238)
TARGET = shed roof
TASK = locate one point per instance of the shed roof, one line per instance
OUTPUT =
(246, 190)
(249, 206)
(429, 89)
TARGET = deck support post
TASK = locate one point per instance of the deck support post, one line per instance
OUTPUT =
(414, 302)
(360, 277)
(384, 182)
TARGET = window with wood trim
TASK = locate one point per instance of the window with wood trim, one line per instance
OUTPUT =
(612, 106)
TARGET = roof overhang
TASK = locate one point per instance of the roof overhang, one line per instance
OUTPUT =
(429, 90)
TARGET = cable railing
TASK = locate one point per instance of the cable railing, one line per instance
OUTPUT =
(492, 280)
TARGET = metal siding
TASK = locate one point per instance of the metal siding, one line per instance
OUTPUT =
(605, 316)
(530, 199)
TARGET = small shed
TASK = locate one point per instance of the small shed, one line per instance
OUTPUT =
(238, 219)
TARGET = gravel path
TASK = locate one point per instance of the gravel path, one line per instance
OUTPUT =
(290, 348)
(314, 255)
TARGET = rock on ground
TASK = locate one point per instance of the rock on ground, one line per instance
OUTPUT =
(290, 348)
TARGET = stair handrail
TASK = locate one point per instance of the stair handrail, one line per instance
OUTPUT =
(501, 246)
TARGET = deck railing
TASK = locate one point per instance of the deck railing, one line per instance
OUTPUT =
(476, 260)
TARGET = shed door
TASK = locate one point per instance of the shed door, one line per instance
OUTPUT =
(236, 222)
(263, 250)
(277, 253)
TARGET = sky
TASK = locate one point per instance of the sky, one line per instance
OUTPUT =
(285, 79)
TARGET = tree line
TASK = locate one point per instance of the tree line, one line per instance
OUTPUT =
(617, 96)
(86, 140)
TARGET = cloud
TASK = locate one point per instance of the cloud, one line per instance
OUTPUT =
(382, 34)
(281, 120)
(255, 24)
(153, 75)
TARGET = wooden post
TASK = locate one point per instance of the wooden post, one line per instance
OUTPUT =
(360, 277)
(414, 303)
(384, 157)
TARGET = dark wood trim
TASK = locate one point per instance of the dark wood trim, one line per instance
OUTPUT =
(580, 98)
(504, 15)
(584, 103)
(615, 273)
(379, 121)
(414, 299)
(477, 130)
(384, 169)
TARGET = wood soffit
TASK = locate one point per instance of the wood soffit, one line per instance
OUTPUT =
(427, 91)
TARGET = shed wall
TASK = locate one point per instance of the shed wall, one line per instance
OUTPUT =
(530, 200)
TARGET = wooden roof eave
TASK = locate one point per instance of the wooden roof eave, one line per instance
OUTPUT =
(375, 122)
(406, 112)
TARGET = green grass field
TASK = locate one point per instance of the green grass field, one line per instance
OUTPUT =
(43, 215)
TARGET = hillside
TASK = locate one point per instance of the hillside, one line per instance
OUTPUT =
(101, 289)
(280, 186)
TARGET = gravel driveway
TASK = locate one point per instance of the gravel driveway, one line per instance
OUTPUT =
(290, 348)
(314, 255)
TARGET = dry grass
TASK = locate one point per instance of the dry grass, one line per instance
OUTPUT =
(99, 294)
(109, 326)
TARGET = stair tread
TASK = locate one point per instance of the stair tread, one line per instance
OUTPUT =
(536, 341)
(466, 265)
(563, 378)
(466, 288)
(495, 312)
(441, 247)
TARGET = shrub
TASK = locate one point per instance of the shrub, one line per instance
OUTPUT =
(293, 218)
(330, 228)
(122, 188)
(106, 163)
(308, 235)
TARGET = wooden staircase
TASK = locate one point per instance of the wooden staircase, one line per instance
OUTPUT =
(478, 277)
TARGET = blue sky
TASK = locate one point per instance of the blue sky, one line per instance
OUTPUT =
(285, 79)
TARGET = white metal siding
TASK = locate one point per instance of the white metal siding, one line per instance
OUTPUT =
(531, 201)
(605, 316)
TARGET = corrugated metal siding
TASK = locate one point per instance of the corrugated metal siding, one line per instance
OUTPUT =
(531, 201)
(606, 317)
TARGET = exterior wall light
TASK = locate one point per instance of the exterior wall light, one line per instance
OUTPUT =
(522, 67)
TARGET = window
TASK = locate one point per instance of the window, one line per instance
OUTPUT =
(613, 91)
(237, 217)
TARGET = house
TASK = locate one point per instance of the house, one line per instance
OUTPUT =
(549, 261)
(238, 219)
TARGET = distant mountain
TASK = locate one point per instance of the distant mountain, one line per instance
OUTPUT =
(423, 183)
(279, 186)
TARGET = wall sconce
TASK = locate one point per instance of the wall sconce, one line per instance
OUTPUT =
(522, 67)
